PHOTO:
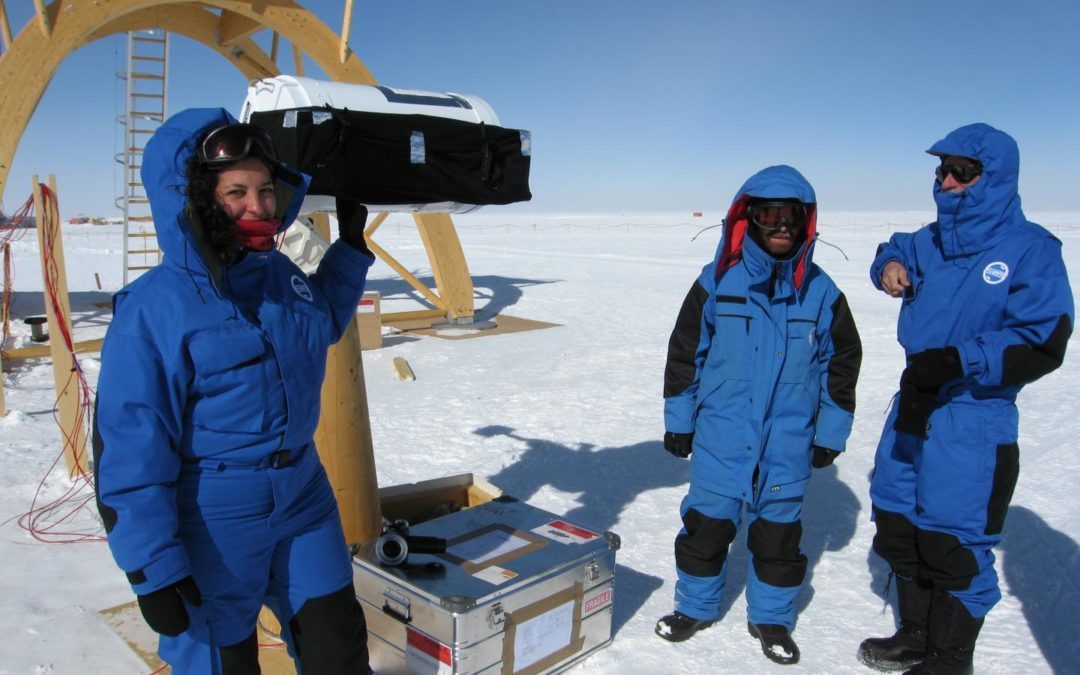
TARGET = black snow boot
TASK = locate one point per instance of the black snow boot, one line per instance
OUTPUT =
(776, 642)
(907, 647)
(677, 627)
(952, 635)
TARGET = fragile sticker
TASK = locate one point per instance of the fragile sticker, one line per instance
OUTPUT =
(597, 601)
(425, 655)
(366, 306)
(564, 532)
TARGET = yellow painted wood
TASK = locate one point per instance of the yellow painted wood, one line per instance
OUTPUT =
(402, 368)
(5, 27)
(343, 52)
(298, 60)
(234, 27)
(344, 440)
(448, 264)
(320, 222)
(375, 223)
(58, 315)
(43, 18)
(39, 351)
(432, 314)
(408, 276)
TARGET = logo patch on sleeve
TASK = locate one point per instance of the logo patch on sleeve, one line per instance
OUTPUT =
(300, 286)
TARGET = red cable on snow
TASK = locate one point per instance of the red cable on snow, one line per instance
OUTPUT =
(47, 521)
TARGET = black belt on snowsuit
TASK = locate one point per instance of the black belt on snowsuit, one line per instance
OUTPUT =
(275, 460)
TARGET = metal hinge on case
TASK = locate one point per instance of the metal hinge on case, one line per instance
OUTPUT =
(496, 616)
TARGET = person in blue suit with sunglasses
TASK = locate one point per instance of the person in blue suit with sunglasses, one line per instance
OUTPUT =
(208, 480)
(759, 388)
(986, 308)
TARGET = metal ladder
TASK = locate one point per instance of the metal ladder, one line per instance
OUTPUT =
(147, 81)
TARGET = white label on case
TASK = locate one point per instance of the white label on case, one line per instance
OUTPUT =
(495, 575)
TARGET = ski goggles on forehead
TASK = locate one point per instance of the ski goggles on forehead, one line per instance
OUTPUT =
(963, 173)
(235, 142)
(770, 216)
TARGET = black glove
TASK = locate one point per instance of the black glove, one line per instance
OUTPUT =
(164, 609)
(680, 445)
(823, 457)
(351, 218)
(929, 370)
(920, 382)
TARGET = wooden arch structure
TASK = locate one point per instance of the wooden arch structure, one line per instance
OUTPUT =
(27, 66)
(226, 26)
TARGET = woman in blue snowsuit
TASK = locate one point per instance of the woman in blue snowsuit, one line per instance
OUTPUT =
(760, 386)
(208, 480)
(986, 309)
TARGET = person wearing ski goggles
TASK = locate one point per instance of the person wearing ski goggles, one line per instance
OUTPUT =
(208, 478)
(760, 388)
(986, 310)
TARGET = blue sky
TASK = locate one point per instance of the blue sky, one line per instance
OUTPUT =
(639, 105)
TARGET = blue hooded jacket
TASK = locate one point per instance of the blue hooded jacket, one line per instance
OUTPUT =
(215, 368)
(763, 360)
(983, 278)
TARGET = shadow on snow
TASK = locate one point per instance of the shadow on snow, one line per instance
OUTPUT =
(607, 480)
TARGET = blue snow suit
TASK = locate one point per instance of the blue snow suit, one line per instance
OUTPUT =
(207, 403)
(762, 365)
(992, 285)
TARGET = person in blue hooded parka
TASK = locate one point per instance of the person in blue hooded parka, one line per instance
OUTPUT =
(986, 308)
(759, 387)
(208, 481)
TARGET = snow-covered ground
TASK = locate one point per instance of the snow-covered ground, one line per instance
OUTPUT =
(570, 420)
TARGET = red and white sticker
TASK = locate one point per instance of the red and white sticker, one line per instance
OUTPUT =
(564, 532)
(598, 600)
(366, 307)
(425, 655)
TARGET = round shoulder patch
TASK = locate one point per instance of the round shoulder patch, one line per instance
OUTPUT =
(300, 286)
(995, 273)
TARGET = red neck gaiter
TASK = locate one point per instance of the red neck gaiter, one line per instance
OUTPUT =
(258, 235)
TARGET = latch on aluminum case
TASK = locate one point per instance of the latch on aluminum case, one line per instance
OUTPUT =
(396, 605)
(496, 616)
(592, 571)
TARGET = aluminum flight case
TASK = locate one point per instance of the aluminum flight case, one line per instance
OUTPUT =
(519, 591)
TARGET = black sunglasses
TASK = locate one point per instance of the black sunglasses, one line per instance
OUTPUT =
(963, 173)
(770, 216)
(235, 142)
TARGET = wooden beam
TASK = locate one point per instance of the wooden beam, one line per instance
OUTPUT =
(298, 59)
(5, 27)
(41, 351)
(43, 18)
(58, 314)
(447, 264)
(233, 27)
(343, 52)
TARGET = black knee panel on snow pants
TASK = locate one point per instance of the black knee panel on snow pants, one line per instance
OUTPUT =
(896, 541)
(241, 658)
(936, 557)
(330, 634)
(775, 547)
(702, 550)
